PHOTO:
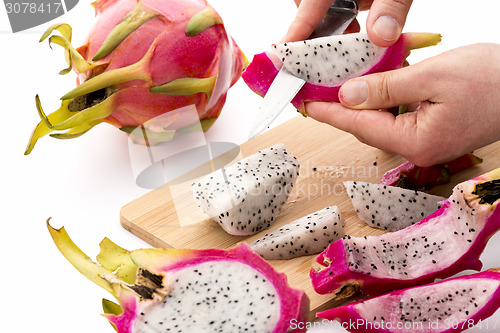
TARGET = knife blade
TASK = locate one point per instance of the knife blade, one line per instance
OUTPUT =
(285, 85)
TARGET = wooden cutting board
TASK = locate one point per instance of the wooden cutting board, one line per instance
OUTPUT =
(168, 216)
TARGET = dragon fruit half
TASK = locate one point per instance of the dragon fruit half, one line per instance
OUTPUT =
(143, 59)
(444, 243)
(451, 305)
(325, 63)
(174, 290)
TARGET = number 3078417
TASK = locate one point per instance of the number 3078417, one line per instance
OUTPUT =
(33, 7)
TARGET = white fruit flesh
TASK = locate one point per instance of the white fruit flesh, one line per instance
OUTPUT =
(246, 197)
(422, 248)
(308, 235)
(229, 296)
(330, 61)
(388, 207)
(430, 308)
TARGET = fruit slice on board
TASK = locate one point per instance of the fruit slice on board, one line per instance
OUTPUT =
(446, 242)
(448, 305)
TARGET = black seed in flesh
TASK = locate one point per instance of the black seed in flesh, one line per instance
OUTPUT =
(346, 65)
(385, 211)
(452, 300)
(310, 234)
(224, 296)
(421, 249)
(253, 189)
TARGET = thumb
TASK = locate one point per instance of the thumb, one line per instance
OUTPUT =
(386, 19)
(388, 89)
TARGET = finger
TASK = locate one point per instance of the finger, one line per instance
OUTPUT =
(309, 14)
(376, 128)
(386, 20)
(406, 85)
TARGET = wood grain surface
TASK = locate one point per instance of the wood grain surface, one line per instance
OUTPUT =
(168, 216)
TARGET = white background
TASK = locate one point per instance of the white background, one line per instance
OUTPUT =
(83, 183)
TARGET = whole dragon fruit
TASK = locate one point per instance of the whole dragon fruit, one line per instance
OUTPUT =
(325, 63)
(451, 305)
(177, 290)
(143, 59)
(446, 242)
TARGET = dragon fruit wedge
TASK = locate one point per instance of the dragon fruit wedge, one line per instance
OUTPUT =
(388, 207)
(325, 63)
(308, 235)
(246, 197)
(451, 305)
(446, 242)
(177, 290)
(410, 176)
(143, 59)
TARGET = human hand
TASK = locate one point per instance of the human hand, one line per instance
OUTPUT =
(384, 24)
(453, 99)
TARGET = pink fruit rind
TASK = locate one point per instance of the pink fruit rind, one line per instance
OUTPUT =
(335, 276)
(408, 175)
(294, 302)
(245, 254)
(262, 70)
(350, 316)
(125, 321)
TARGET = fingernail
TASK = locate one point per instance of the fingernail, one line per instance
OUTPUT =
(354, 92)
(387, 28)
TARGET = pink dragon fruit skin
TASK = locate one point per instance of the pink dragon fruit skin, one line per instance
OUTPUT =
(384, 313)
(454, 237)
(264, 67)
(179, 54)
(408, 175)
(148, 284)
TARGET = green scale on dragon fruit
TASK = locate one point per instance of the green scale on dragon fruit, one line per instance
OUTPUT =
(308, 235)
(446, 242)
(246, 197)
(142, 60)
(451, 305)
(325, 63)
(388, 207)
(180, 290)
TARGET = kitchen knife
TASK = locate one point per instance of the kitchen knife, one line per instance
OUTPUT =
(285, 85)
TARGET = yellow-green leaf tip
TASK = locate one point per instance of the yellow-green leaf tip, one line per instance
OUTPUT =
(202, 20)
